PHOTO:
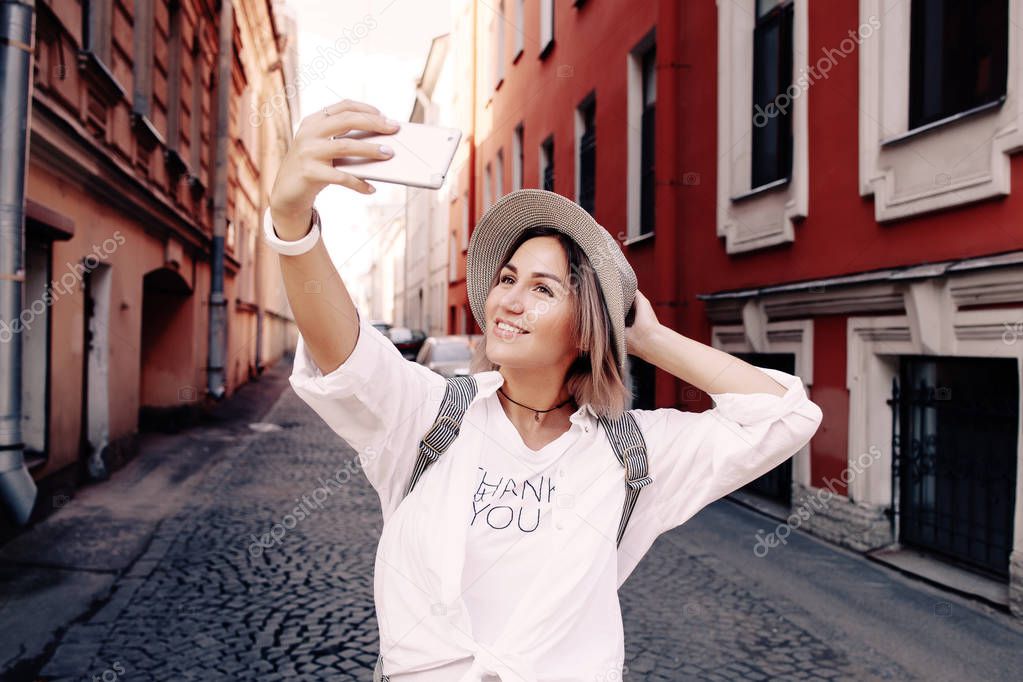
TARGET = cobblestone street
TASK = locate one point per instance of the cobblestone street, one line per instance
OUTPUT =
(205, 600)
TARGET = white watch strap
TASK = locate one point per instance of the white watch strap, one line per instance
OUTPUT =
(289, 248)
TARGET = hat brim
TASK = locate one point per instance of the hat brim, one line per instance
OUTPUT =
(516, 212)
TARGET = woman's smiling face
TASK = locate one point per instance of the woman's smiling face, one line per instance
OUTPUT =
(532, 295)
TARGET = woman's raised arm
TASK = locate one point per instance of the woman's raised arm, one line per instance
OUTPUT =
(345, 369)
(320, 302)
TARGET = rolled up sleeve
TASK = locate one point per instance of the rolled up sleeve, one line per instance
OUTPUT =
(696, 458)
(378, 402)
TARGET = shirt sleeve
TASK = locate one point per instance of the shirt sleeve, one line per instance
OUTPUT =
(378, 402)
(696, 458)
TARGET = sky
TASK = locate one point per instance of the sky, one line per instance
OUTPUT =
(371, 51)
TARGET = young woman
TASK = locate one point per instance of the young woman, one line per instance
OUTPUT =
(503, 562)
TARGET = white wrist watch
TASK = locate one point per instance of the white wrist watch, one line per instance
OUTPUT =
(291, 248)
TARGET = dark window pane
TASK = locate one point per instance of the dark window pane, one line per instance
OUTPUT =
(548, 170)
(958, 57)
(772, 106)
(588, 158)
(647, 144)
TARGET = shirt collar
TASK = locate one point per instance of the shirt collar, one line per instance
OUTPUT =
(487, 384)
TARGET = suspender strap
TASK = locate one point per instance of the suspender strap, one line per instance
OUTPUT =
(458, 394)
(378, 671)
(630, 448)
(624, 434)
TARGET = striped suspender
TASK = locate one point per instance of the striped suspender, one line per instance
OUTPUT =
(630, 448)
(457, 396)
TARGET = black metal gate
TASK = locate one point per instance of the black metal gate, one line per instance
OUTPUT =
(776, 483)
(954, 451)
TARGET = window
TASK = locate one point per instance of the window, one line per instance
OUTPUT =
(641, 97)
(753, 213)
(647, 145)
(772, 76)
(517, 158)
(195, 113)
(939, 103)
(175, 53)
(487, 58)
(499, 175)
(500, 43)
(142, 89)
(958, 57)
(546, 27)
(175, 48)
(520, 14)
(97, 20)
(586, 144)
(547, 164)
(488, 187)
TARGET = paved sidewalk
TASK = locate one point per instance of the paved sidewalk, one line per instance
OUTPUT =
(157, 574)
(67, 567)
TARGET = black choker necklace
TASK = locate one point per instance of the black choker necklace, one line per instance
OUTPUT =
(536, 413)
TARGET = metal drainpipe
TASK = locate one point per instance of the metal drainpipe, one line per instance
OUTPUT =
(215, 383)
(17, 27)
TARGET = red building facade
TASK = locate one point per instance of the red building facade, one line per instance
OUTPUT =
(831, 190)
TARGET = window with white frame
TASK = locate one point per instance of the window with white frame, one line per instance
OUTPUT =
(642, 100)
(517, 158)
(586, 153)
(940, 102)
(499, 174)
(763, 88)
(546, 27)
(501, 20)
(520, 25)
(772, 75)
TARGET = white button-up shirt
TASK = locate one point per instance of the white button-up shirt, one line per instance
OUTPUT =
(464, 590)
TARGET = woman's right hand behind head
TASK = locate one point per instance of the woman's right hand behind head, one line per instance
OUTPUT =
(308, 166)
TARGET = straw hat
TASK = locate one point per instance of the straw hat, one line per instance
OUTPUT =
(517, 211)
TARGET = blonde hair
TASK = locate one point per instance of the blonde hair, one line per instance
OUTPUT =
(594, 377)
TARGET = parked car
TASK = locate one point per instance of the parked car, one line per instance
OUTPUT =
(408, 341)
(381, 326)
(448, 355)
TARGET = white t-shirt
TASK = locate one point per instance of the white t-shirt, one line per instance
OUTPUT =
(502, 561)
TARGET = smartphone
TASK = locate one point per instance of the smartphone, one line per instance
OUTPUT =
(422, 155)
